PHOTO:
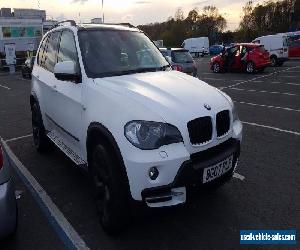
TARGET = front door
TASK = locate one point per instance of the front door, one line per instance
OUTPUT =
(67, 108)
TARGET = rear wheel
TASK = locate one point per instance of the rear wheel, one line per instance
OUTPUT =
(273, 60)
(250, 67)
(110, 189)
(216, 67)
(261, 70)
(41, 141)
(279, 63)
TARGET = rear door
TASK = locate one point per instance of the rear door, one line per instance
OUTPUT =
(42, 76)
(46, 77)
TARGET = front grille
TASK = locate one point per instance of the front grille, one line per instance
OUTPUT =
(200, 130)
(223, 122)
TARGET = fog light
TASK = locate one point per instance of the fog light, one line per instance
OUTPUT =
(153, 173)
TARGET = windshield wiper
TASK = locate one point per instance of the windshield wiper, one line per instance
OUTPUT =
(133, 71)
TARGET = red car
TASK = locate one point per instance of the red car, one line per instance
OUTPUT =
(294, 46)
(247, 57)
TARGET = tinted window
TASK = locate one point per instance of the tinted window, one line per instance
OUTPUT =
(67, 49)
(41, 51)
(117, 52)
(165, 53)
(51, 51)
(181, 56)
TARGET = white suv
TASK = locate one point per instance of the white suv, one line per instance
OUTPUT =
(106, 96)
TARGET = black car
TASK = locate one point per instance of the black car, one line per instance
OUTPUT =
(180, 59)
(27, 67)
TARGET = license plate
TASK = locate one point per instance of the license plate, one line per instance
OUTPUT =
(217, 170)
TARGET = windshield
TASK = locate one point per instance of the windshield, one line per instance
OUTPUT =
(117, 52)
(181, 56)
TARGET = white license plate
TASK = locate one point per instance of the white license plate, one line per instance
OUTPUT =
(217, 170)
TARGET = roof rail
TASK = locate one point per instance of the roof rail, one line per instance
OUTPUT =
(72, 22)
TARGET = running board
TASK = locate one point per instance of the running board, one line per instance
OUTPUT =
(64, 148)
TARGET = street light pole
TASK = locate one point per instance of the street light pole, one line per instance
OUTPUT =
(102, 11)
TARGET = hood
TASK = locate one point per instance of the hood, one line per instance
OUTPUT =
(169, 94)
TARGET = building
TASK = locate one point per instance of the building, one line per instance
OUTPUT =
(97, 20)
(23, 28)
(30, 14)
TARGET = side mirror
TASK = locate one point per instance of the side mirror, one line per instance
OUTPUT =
(66, 71)
(169, 59)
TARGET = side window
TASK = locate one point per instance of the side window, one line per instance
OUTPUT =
(41, 51)
(51, 51)
(67, 49)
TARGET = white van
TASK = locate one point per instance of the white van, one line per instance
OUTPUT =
(197, 46)
(277, 47)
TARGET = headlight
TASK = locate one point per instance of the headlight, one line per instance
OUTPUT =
(151, 135)
(235, 115)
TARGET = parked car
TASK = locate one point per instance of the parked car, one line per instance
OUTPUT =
(27, 67)
(144, 132)
(8, 205)
(294, 45)
(277, 46)
(180, 59)
(197, 46)
(255, 58)
(216, 49)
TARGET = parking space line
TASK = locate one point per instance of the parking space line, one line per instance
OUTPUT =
(18, 138)
(23, 79)
(218, 79)
(289, 76)
(5, 87)
(239, 176)
(259, 77)
(268, 106)
(62, 227)
(271, 127)
(287, 83)
(264, 91)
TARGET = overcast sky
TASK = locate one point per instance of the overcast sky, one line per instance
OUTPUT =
(133, 11)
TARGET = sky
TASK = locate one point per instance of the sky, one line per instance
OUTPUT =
(134, 11)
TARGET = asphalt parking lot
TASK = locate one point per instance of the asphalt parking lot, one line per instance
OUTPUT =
(265, 194)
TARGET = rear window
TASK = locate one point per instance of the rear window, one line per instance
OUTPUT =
(181, 56)
(261, 49)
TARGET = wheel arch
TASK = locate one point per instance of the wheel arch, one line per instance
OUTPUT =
(95, 132)
(98, 132)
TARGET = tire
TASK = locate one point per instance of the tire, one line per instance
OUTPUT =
(273, 60)
(40, 140)
(261, 70)
(279, 63)
(250, 68)
(111, 189)
(216, 67)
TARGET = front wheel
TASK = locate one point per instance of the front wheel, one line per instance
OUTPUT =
(250, 67)
(273, 60)
(110, 189)
(216, 67)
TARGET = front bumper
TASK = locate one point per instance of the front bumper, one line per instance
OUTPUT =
(8, 209)
(190, 174)
(179, 166)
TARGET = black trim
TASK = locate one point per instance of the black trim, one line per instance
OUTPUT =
(68, 133)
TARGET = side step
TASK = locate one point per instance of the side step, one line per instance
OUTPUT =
(68, 151)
